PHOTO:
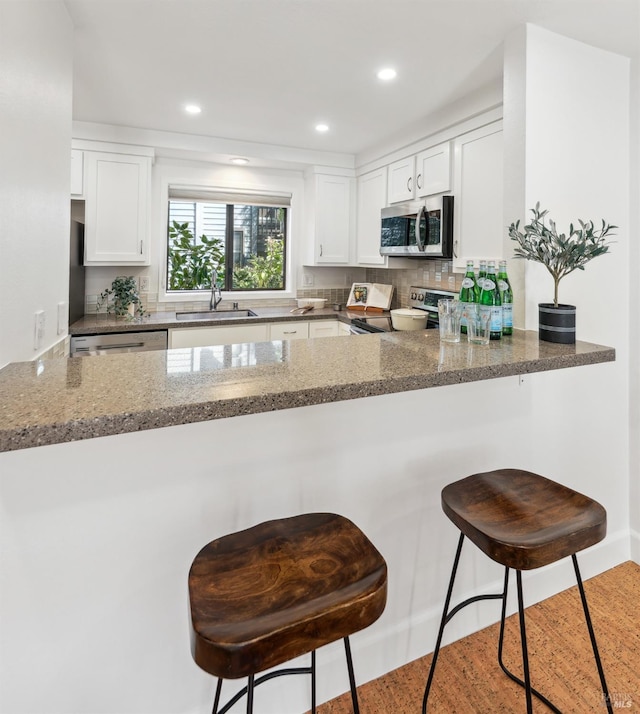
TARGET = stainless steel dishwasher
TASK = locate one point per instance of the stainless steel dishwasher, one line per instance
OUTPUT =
(117, 342)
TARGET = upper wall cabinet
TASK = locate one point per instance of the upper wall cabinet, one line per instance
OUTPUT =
(433, 170)
(117, 207)
(478, 223)
(331, 218)
(372, 196)
(424, 174)
(401, 184)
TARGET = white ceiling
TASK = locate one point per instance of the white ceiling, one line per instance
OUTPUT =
(268, 70)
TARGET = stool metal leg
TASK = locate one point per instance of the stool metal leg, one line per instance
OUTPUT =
(592, 636)
(523, 640)
(216, 701)
(352, 678)
(443, 622)
(250, 695)
(510, 674)
(313, 682)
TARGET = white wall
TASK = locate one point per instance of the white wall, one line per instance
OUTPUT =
(567, 145)
(35, 141)
(98, 536)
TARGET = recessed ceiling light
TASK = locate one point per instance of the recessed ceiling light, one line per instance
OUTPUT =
(322, 128)
(240, 161)
(387, 74)
(192, 109)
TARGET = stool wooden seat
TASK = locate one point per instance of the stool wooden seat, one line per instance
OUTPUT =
(522, 521)
(280, 589)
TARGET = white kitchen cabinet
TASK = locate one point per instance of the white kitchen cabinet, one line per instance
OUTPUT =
(478, 224)
(344, 330)
(330, 218)
(433, 170)
(401, 184)
(372, 195)
(218, 335)
(424, 174)
(323, 328)
(289, 330)
(117, 208)
(77, 173)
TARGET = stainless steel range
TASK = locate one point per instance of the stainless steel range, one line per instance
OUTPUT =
(420, 298)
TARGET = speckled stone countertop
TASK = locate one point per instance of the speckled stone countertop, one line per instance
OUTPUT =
(102, 323)
(60, 400)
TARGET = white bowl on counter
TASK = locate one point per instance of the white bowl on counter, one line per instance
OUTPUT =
(316, 303)
(407, 318)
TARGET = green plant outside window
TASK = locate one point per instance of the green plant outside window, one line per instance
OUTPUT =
(245, 244)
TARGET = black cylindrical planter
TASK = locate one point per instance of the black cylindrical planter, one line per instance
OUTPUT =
(557, 324)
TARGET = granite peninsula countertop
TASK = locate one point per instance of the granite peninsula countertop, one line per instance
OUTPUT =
(60, 400)
(102, 323)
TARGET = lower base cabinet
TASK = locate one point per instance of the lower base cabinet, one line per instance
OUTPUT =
(225, 335)
(235, 334)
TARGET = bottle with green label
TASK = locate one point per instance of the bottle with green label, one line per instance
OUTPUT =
(468, 294)
(482, 274)
(490, 297)
(506, 297)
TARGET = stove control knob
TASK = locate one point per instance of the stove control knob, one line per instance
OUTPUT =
(421, 297)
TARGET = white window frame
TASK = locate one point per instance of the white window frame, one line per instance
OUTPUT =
(294, 227)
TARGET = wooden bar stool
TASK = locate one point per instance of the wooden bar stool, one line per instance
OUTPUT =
(522, 521)
(266, 595)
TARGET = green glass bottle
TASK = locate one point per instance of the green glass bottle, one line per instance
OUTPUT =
(490, 296)
(506, 297)
(468, 294)
(482, 274)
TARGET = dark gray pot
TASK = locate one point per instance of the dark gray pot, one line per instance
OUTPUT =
(557, 324)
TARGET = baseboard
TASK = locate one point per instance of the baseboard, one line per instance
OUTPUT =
(634, 538)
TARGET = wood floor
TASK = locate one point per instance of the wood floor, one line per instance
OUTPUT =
(468, 679)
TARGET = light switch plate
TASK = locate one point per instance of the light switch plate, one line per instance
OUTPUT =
(38, 333)
(63, 317)
(143, 282)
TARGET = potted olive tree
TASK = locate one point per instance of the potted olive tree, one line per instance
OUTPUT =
(560, 254)
(123, 298)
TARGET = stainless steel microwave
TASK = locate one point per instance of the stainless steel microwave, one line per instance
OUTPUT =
(418, 229)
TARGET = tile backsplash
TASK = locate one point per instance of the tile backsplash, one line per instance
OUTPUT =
(428, 273)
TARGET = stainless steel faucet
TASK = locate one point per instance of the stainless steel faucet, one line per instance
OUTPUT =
(215, 301)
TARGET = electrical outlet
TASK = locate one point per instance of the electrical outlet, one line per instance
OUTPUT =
(38, 333)
(63, 317)
(143, 283)
(348, 279)
(307, 280)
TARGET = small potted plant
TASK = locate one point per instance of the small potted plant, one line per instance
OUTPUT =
(560, 254)
(123, 298)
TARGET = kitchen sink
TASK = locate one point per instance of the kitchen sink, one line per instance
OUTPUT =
(215, 315)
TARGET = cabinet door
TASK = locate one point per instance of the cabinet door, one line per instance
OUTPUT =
(225, 335)
(433, 170)
(117, 209)
(323, 328)
(372, 193)
(344, 330)
(77, 173)
(401, 183)
(478, 223)
(334, 218)
(289, 331)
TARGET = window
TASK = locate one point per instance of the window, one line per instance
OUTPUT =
(243, 236)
